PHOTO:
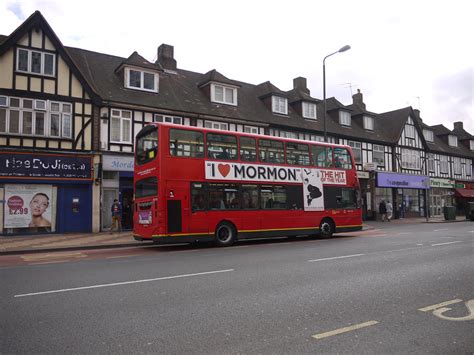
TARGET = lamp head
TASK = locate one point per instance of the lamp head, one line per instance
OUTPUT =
(345, 48)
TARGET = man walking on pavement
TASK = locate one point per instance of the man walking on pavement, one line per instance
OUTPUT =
(383, 210)
(116, 210)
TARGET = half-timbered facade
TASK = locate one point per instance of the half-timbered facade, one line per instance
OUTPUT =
(46, 135)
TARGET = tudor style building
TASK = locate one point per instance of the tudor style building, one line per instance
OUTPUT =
(68, 118)
(47, 140)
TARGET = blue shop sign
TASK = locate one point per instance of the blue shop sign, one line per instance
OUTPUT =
(403, 181)
(45, 166)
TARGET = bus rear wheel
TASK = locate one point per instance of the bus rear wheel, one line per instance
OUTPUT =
(225, 234)
(326, 228)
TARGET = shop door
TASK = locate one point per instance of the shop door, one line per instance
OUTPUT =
(109, 195)
(435, 206)
(75, 209)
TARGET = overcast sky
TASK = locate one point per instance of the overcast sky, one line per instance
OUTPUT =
(404, 53)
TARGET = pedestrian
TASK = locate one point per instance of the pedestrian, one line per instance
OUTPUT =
(389, 208)
(383, 210)
(116, 210)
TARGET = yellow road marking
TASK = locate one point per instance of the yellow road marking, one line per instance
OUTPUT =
(344, 330)
(52, 256)
(439, 305)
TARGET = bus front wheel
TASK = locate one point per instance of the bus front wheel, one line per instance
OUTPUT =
(225, 234)
(326, 228)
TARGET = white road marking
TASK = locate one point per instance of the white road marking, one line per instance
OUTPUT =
(470, 307)
(440, 230)
(124, 283)
(420, 245)
(457, 241)
(439, 305)
(344, 330)
(336, 257)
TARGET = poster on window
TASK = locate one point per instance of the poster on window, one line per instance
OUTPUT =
(28, 206)
(313, 194)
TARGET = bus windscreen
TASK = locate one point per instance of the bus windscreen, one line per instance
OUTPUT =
(147, 145)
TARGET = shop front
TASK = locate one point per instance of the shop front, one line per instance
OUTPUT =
(117, 183)
(45, 193)
(463, 193)
(406, 192)
(441, 195)
(366, 194)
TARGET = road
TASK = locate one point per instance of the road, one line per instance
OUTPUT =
(397, 289)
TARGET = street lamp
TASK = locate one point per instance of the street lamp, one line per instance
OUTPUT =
(343, 49)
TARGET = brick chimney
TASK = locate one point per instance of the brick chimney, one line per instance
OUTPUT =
(458, 125)
(416, 112)
(358, 100)
(300, 84)
(166, 57)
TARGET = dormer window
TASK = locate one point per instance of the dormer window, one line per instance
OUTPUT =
(428, 135)
(280, 105)
(471, 144)
(35, 62)
(309, 110)
(453, 141)
(141, 80)
(369, 123)
(224, 94)
(344, 118)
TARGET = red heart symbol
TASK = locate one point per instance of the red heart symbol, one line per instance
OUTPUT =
(224, 169)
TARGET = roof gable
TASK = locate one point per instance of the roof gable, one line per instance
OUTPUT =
(136, 60)
(37, 21)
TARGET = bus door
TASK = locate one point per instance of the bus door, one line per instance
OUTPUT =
(174, 213)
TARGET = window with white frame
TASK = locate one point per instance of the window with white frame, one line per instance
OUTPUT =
(27, 116)
(309, 110)
(357, 149)
(280, 105)
(141, 80)
(453, 140)
(431, 162)
(216, 125)
(409, 131)
(369, 123)
(471, 144)
(457, 166)
(428, 135)
(224, 94)
(35, 62)
(443, 164)
(251, 129)
(411, 159)
(378, 156)
(168, 119)
(344, 118)
(121, 126)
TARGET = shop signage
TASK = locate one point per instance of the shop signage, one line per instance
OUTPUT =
(363, 175)
(459, 186)
(403, 181)
(370, 166)
(45, 166)
(443, 183)
(117, 163)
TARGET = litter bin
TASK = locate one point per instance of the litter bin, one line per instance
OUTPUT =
(449, 213)
(470, 211)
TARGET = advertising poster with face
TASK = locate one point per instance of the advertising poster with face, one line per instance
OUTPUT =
(28, 206)
(313, 197)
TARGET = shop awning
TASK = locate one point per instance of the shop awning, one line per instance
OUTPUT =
(464, 193)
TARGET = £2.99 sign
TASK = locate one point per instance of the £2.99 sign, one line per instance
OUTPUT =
(16, 205)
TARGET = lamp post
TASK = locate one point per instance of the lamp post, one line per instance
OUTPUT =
(343, 49)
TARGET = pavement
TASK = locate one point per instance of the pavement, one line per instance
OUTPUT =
(101, 240)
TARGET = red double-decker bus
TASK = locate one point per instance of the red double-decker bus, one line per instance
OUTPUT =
(194, 184)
